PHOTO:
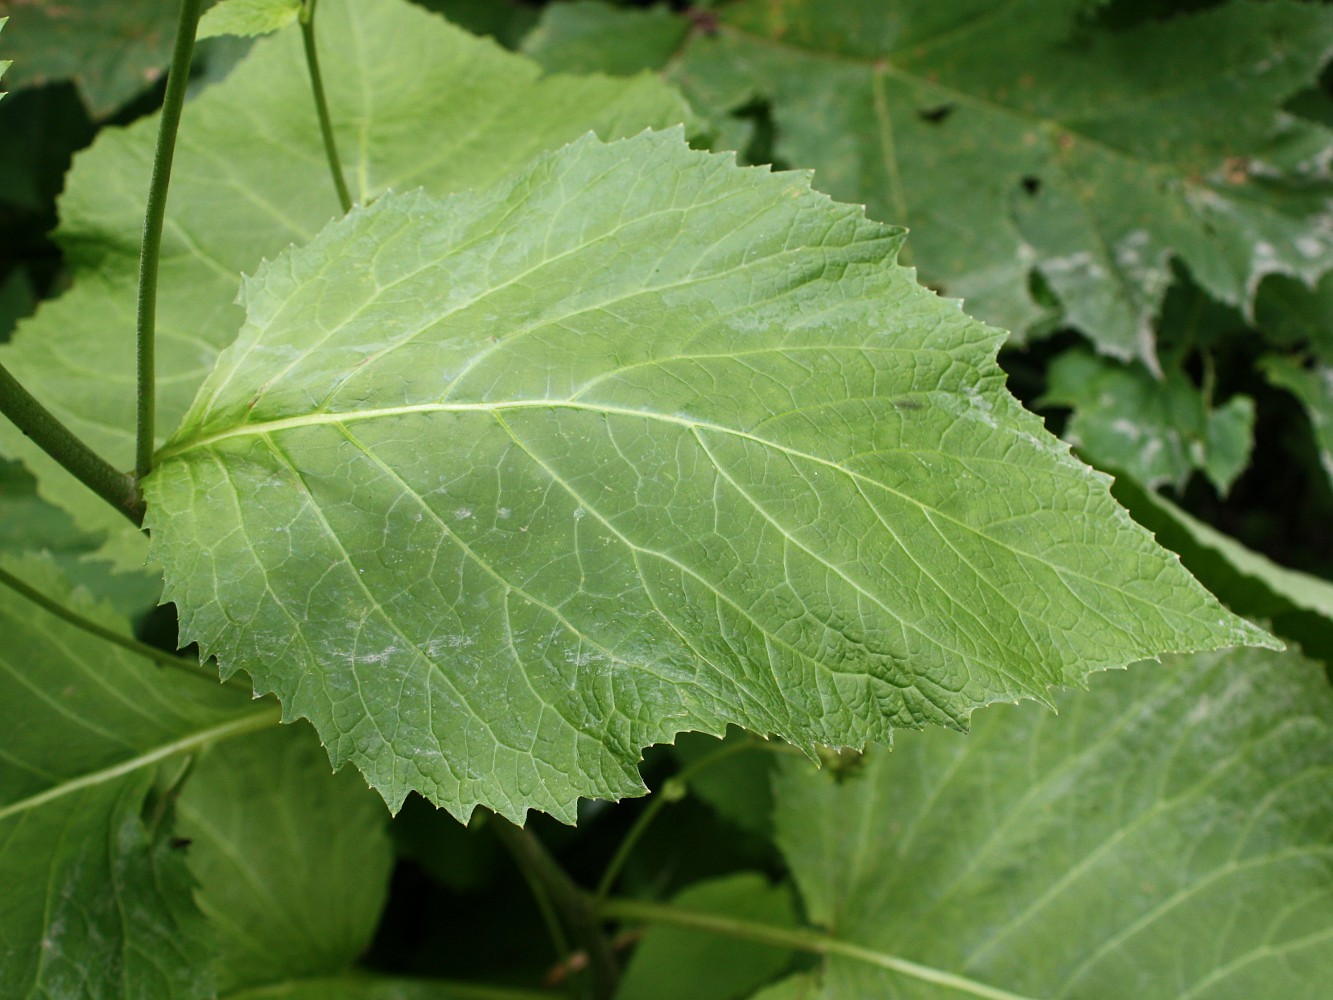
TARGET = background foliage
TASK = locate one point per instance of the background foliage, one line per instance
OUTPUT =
(1139, 191)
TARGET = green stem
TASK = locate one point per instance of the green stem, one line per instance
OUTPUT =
(546, 906)
(660, 801)
(800, 939)
(58, 441)
(322, 106)
(151, 249)
(159, 656)
(574, 906)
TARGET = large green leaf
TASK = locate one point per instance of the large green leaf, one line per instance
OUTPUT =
(1169, 835)
(96, 901)
(1019, 135)
(112, 51)
(499, 489)
(292, 861)
(415, 102)
(573, 38)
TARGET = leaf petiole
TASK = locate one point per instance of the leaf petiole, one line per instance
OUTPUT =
(321, 104)
(53, 437)
(799, 939)
(573, 905)
(150, 252)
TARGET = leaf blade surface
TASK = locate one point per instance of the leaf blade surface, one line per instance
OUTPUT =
(415, 102)
(1165, 836)
(499, 489)
(96, 901)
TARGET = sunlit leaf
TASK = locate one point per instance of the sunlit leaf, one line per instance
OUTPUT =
(415, 102)
(248, 17)
(499, 489)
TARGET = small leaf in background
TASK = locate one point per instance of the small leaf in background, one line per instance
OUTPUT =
(477, 113)
(674, 445)
(291, 862)
(96, 900)
(1167, 835)
(248, 17)
(113, 51)
(1156, 429)
(674, 963)
(572, 38)
(507, 21)
(1019, 136)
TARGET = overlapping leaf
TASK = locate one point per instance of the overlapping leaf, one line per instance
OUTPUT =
(1312, 384)
(415, 102)
(291, 862)
(1296, 606)
(1019, 136)
(672, 963)
(248, 17)
(1169, 835)
(499, 489)
(96, 902)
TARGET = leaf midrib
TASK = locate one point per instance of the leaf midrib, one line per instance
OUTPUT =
(339, 419)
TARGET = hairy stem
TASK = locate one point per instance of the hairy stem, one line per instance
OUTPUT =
(151, 249)
(58, 441)
(322, 106)
(576, 909)
(797, 938)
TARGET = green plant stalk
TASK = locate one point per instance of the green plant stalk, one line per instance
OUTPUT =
(58, 441)
(579, 914)
(150, 251)
(660, 801)
(322, 106)
(799, 939)
(554, 929)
